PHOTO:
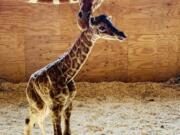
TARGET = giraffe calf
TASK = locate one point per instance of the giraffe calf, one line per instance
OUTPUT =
(51, 89)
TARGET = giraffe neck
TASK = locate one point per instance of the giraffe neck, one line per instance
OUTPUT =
(86, 5)
(90, 5)
(78, 54)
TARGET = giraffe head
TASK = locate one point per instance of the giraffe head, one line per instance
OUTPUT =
(87, 7)
(103, 28)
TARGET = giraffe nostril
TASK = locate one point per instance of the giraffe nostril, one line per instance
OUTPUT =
(80, 14)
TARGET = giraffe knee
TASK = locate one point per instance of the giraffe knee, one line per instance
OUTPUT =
(68, 111)
(80, 14)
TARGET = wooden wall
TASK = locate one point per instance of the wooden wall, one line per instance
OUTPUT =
(31, 36)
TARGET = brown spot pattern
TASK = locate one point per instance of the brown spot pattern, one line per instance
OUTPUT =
(75, 64)
(68, 61)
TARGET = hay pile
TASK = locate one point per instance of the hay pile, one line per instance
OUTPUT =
(112, 108)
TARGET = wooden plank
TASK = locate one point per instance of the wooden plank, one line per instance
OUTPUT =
(144, 16)
(164, 58)
(178, 42)
(13, 2)
(141, 52)
(13, 18)
(141, 75)
(150, 26)
(167, 48)
(130, 9)
(178, 64)
(12, 43)
(42, 20)
(163, 74)
(48, 49)
(68, 20)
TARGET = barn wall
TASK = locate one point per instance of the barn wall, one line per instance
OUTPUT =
(31, 36)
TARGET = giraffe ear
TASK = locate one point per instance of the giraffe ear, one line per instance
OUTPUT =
(80, 2)
(92, 21)
(97, 4)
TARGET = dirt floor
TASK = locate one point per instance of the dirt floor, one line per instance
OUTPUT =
(112, 108)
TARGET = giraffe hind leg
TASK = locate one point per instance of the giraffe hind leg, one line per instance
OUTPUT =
(35, 117)
(67, 112)
(29, 122)
(37, 111)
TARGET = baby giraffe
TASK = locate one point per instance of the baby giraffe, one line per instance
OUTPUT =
(51, 89)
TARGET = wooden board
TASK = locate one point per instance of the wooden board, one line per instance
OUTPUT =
(32, 35)
(12, 43)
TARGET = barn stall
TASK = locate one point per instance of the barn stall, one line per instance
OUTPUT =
(110, 96)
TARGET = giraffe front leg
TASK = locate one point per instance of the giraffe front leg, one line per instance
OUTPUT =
(67, 115)
(72, 89)
(56, 119)
(67, 111)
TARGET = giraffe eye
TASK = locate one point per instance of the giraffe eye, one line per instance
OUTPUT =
(80, 14)
(102, 28)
